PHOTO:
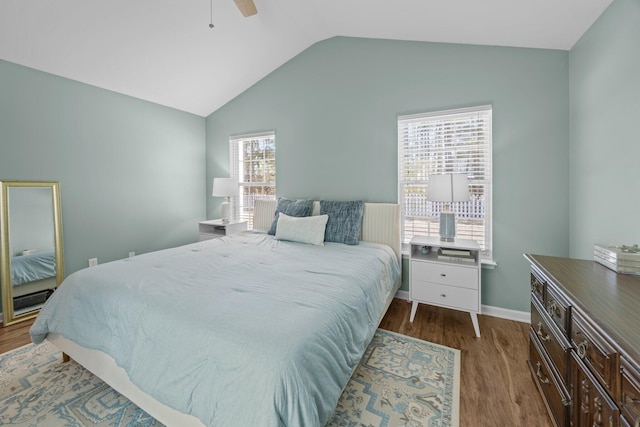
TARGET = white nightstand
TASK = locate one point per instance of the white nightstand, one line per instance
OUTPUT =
(445, 276)
(215, 228)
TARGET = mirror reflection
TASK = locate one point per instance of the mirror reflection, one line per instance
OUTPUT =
(32, 247)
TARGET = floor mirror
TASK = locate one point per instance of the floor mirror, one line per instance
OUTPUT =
(31, 256)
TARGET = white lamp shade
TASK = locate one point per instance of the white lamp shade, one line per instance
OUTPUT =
(225, 187)
(448, 187)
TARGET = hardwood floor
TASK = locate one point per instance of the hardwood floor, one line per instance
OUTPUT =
(496, 388)
(15, 336)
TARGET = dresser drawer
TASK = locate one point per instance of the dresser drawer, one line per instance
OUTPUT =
(556, 346)
(553, 391)
(557, 309)
(630, 393)
(445, 274)
(448, 296)
(537, 288)
(592, 406)
(602, 360)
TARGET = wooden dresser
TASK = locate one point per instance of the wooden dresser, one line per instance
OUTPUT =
(585, 342)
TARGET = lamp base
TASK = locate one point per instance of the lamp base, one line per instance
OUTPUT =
(447, 226)
(225, 209)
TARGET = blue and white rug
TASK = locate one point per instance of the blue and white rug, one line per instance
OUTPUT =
(400, 382)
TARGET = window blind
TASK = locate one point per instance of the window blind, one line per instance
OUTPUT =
(253, 163)
(452, 141)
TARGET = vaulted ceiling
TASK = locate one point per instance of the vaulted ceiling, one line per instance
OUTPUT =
(164, 50)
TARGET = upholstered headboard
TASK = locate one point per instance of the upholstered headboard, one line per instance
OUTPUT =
(380, 221)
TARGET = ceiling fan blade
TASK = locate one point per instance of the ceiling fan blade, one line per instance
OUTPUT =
(247, 8)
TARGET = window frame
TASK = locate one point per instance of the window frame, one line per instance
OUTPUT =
(483, 179)
(241, 206)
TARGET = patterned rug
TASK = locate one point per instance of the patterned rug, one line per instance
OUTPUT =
(400, 381)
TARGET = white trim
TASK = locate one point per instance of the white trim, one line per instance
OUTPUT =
(420, 180)
(403, 295)
(487, 310)
(487, 107)
(254, 135)
(505, 313)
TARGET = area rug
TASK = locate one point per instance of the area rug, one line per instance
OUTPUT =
(400, 381)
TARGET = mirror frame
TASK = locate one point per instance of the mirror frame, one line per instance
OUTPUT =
(8, 317)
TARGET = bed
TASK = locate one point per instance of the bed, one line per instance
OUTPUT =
(243, 330)
(33, 272)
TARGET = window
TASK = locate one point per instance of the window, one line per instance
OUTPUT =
(453, 141)
(253, 163)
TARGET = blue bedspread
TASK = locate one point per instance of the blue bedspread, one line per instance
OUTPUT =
(239, 331)
(32, 267)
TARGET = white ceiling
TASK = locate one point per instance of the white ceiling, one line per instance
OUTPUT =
(164, 51)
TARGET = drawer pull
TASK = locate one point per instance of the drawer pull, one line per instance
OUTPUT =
(553, 307)
(582, 349)
(535, 286)
(443, 295)
(540, 333)
(443, 275)
(539, 374)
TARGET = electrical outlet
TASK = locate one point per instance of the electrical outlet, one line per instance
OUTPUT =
(93, 262)
(132, 254)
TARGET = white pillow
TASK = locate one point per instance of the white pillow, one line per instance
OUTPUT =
(306, 229)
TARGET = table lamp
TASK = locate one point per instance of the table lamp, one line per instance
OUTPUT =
(448, 188)
(225, 187)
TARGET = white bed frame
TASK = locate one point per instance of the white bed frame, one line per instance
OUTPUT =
(380, 224)
(35, 286)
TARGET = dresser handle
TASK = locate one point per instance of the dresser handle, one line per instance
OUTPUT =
(552, 308)
(540, 333)
(539, 374)
(443, 275)
(535, 285)
(582, 349)
(443, 295)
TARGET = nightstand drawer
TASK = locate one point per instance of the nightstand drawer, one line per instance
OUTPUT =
(449, 296)
(456, 275)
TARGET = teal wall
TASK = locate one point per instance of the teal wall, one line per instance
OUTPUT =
(604, 70)
(334, 108)
(131, 173)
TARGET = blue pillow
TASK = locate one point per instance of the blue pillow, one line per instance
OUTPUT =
(345, 221)
(290, 207)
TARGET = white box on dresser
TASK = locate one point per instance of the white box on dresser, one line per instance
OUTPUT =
(439, 277)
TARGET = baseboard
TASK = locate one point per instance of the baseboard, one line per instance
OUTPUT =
(488, 310)
(505, 313)
(402, 295)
